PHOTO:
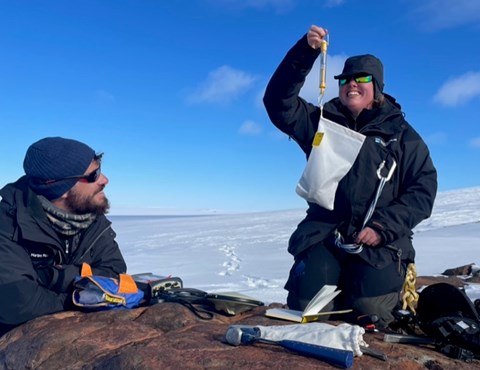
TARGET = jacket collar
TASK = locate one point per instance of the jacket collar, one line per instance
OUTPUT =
(30, 215)
(384, 118)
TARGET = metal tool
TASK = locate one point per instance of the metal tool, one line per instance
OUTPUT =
(374, 353)
(407, 339)
(248, 335)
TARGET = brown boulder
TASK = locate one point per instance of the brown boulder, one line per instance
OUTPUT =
(170, 336)
(457, 276)
(462, 270)
(423, 281)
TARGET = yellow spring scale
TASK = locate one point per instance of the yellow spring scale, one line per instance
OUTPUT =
(323, 68)
(323, 84)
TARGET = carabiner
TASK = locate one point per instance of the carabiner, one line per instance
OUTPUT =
(390, 172)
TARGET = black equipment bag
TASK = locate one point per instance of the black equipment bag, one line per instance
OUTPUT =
(447, 315)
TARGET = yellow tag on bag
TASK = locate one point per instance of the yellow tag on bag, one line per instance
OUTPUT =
(317, 139)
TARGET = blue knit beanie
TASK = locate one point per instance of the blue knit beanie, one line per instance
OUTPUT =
(55, 158)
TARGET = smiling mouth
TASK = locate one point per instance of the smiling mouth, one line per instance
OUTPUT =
(353, 93)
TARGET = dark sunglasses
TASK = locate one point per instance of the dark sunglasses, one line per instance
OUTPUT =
(91, 177)
(358, 80)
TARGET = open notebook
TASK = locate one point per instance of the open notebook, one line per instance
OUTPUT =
(312, 311)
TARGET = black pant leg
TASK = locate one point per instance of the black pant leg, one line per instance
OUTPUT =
(314, 268)
(370, 290)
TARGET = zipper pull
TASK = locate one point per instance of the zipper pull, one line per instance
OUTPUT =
(67, 246)
(399, 255)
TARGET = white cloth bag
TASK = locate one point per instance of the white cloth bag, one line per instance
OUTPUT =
(334, 150)
(343, 336)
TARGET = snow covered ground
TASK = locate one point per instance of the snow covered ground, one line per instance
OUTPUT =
(247, 253)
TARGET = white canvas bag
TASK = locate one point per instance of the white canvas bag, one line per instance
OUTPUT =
(343, 336)
(334, 150)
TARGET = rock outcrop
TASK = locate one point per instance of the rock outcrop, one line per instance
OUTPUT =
(170, 336)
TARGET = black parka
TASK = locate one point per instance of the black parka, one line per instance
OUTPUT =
(29, 247)
(407, 198)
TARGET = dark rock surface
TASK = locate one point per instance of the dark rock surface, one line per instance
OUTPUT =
(170, 336)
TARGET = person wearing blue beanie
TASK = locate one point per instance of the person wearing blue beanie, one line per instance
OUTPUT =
(55, 158)
(52, 221)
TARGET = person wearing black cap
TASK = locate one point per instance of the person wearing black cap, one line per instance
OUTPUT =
(52, 220)
(371, 278)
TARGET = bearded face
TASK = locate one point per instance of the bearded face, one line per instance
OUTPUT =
(80, 202)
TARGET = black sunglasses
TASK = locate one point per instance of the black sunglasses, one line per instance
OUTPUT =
(91, 177)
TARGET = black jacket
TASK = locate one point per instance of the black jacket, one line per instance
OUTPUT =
(407, 198)
(30, 285)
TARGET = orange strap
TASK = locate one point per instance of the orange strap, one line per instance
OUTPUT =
(126, 284)
(86, 270)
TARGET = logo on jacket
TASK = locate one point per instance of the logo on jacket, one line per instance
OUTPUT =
(38, 255)
(380, 141)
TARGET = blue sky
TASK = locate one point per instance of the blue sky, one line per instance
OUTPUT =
(171, 91)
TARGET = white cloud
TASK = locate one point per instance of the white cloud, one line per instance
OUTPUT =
(250, 128)
(443, 14)
(278, 6)
(437, 138)
(459, 90)
(105, 96)
(222, 85)
(333, 3)
(475, 142)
